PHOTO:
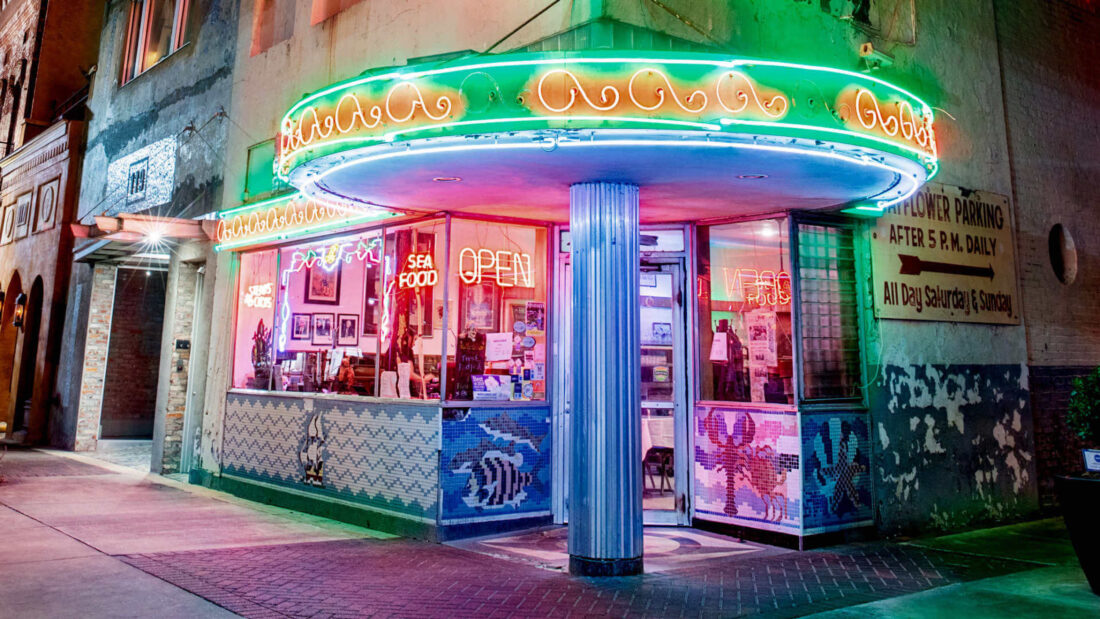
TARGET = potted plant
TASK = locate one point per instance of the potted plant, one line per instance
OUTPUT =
(1080, 494)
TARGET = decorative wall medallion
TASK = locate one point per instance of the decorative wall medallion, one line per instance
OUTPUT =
(47, 205)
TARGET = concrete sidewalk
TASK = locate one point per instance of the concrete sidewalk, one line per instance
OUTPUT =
(90, 539)
(66, 522)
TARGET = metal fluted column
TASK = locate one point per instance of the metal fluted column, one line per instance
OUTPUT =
(605, 488)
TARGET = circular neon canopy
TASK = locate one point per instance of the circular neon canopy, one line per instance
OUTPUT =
(703, 135)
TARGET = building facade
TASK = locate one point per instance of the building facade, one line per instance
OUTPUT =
(153, 166)
(407, 309)
(782, 268)
(46, 56)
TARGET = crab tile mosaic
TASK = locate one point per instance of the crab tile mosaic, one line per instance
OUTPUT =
(748, 468)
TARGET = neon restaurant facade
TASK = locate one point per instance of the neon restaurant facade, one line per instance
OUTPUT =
(605, 288)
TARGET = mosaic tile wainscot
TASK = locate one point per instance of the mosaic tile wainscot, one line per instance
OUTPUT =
(382, 455)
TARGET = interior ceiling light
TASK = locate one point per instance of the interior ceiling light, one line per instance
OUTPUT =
(751, 177)
(447, 179)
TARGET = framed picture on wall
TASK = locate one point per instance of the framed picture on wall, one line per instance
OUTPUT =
(301, 326)
(347, 330)
(323, 286)
(322, 330)
(480, 307)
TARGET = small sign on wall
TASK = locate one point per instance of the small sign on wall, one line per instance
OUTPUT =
(946, 254)
(1092, 459)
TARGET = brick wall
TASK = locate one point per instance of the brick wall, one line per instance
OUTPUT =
(1052, 104)
(183, 314)
(100, 309)
(18, 36)
(1057, 450)
(133, 361)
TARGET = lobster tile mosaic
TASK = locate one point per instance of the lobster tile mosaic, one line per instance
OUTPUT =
(381, 455)
(748, 468)
(495, 463)
(837, 485)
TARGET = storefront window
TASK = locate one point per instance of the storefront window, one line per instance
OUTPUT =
(744, 295)
(830, 312)
(254, 346)
(326, 336)
(410, 327)
(366, 314)
(497, 315)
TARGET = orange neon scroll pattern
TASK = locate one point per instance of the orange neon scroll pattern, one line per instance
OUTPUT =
(292, 215)
(367, 114)
(859, 109)
(649, 90)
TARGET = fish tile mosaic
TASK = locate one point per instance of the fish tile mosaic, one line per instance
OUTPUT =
(495, 463)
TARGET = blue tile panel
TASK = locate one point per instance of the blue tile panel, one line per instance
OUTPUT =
(748, 467)
(383, 455)
(837, 480)
(495, 463)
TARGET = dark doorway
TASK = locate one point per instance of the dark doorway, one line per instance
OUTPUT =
(133, 356)
(28, 366)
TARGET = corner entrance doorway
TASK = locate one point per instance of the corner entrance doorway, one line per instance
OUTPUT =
(664, 455)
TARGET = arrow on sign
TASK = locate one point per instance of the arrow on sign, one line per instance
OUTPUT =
(913, 265)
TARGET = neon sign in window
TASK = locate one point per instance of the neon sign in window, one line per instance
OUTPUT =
(507, 269)
(758, 287)
(419, 272)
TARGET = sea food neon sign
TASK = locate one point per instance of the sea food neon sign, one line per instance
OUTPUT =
(758, 287)
(419, 272)
(704, 92)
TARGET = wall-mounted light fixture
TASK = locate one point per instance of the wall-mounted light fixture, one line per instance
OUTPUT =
(20, 309)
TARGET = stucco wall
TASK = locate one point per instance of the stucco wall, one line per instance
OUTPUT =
(178, 99)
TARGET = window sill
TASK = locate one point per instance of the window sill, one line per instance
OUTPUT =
(156, 64)
(764, 406)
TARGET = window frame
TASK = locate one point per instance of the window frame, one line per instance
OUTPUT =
(446, 265)
(831, 221)
(136, 36)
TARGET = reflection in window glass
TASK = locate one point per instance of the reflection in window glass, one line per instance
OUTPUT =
(497, 316)
(745, 312)
(328, 300)
(253, 346)
(830, 314)
(410, 327)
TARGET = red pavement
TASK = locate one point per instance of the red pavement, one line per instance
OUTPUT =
(260, 562)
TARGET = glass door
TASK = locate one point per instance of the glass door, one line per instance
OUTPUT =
(663, 393)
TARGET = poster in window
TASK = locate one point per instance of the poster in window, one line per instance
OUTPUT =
(301, 327)
(480, 307)
(536, 318)
(322, 330)
(323, 286)
(347, 333)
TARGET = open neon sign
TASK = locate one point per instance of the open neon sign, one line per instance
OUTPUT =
(419, 272)
(507, 269)
(759, 287)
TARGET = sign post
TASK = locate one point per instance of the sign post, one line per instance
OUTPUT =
(946, 254)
